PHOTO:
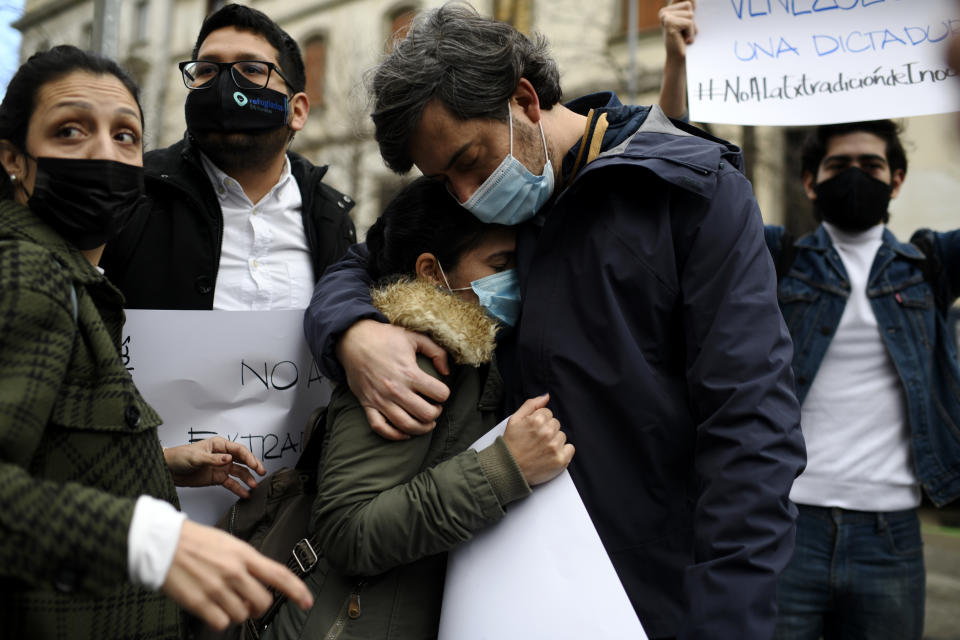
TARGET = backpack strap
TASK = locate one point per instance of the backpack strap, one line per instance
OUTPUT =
(788, 253)
(932, 266)
(313, 446)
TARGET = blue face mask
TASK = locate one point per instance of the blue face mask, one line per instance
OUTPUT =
(512, 194)
(499, 294)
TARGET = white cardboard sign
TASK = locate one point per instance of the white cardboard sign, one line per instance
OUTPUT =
(803, 62)
(245, 375)
(541, 572)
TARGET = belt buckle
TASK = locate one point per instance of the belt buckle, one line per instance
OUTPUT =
(304, 550)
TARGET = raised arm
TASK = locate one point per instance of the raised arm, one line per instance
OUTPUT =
(352, 341)
(679, 30)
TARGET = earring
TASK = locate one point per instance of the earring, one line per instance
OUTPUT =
(13, 178)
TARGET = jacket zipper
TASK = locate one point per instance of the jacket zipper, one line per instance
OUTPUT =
(350, 609)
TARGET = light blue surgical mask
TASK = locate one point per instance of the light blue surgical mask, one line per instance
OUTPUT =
(512, 194)
(499, 294)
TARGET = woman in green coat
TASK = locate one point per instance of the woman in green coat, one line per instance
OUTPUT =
(91, 544)
(388, 511)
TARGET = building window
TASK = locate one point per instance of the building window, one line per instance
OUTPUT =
(647, 14)
(315, 64)
(519, 13)
(398, 23)
(142, 17)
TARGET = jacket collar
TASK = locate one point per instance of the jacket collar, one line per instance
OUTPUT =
(676, 152)
(819, 240)
(19, 223)
(462, 328)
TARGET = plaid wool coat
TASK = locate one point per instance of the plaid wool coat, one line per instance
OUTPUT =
(78, 444)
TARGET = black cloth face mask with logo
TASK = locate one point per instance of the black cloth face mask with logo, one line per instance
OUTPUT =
(88, 202)
(853, 200)
(226, 107)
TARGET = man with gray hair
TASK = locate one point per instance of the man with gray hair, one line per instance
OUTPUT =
(649, 314)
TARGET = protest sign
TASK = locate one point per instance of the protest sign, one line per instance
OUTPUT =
(245, 375)
(541, 572)
(802, 62)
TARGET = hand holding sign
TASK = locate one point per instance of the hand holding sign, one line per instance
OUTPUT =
(534, 438)
(211, 462)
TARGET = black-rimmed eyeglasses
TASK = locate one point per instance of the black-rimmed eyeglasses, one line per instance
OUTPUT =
(246, 74)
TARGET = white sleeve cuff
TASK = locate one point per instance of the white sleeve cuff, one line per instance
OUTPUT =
(152, 541)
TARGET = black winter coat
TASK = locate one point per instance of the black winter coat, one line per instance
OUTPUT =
(168, 255)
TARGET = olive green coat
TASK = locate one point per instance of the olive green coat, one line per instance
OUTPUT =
(387, 511)
(78, 444)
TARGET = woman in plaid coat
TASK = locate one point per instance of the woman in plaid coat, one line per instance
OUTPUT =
(91, 542)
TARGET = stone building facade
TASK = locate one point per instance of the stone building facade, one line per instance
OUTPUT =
(342, 39)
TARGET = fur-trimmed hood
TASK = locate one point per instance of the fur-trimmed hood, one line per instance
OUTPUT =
(462, 328)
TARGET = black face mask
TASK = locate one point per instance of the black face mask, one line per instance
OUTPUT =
(88, 202)
(226, 107)
(853, 200)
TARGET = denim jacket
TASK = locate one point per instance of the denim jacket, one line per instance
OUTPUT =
(813, 293)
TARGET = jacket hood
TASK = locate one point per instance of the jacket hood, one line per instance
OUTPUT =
(676, 152)
(462, 328)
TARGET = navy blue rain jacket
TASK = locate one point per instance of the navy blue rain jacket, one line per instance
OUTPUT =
(650, 315)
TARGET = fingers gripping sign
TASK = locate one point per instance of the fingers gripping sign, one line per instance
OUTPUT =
(214, 461)
(679, 28)
(536, 441)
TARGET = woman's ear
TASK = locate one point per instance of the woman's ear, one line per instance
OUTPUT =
(13, 161)
(428, 268)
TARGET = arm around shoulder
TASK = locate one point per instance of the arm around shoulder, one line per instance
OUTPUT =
(340, 300)
(378, 506)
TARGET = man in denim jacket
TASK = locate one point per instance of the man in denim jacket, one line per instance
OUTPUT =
(877, 378)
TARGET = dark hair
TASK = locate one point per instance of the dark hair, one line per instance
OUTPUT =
(815, 146)
(470, 63)
(39, 70)
(244, 18)
(422, 218)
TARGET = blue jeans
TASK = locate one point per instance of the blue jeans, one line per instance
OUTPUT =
(854, 574)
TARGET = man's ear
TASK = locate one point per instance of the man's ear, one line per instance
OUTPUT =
(525, 97)
(896, 181)
(809, 185)
(299, 109)
(428, 268)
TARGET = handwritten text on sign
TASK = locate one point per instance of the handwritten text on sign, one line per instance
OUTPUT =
(798, 62)
(245, 375)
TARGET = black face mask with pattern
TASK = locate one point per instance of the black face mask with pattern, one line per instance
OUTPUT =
(853, 200)
(86, 201)
(226, 107)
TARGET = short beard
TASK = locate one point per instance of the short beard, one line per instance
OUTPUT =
(528, 146)
(238, 151)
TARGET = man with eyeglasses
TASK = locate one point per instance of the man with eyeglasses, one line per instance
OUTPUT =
(234, 220)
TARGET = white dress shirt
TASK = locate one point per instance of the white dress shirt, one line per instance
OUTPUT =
(264, 256)
(264, 264)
